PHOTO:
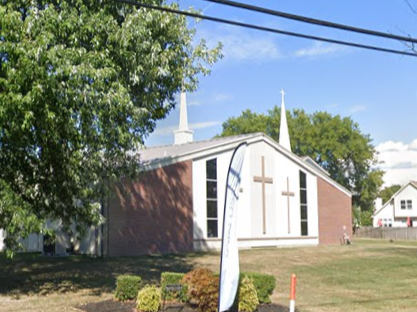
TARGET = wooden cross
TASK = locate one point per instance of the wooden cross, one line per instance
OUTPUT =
(288, 194)
(263, 180)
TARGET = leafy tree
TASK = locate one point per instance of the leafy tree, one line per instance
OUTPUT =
(335, 143)
(361, 218)
(388, 191)
(247, 123)
(82, 83)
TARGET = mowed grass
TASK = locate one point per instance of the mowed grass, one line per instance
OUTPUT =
(369, 275)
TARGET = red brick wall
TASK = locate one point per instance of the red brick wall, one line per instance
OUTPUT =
(335, 212)
(153, 214)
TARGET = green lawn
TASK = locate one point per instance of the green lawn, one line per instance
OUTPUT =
(369, 275)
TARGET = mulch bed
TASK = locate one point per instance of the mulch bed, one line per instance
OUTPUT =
(117, 306)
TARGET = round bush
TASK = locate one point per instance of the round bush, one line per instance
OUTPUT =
(202, 288)
(127, 287)
(149, 299)
(248, 298)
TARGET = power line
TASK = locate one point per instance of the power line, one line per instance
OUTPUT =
(314, 21)
(261, 28)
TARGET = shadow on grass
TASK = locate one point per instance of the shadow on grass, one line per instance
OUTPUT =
(37, 274)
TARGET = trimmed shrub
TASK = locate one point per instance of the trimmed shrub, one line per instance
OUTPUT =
(149, 299)
(248, 298)
(127, 287)
(264, 285)
(171, 278)
(203, 288)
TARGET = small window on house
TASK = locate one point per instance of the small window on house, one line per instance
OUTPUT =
(403, 204)
(211, 195)
(409, 204)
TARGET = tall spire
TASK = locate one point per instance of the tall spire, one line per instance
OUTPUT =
(183, 134)
(284, 136)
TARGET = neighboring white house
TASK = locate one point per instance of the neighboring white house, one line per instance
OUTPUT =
(400, 210)
(90, 244)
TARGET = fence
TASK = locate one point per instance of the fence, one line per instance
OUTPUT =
(406, 233)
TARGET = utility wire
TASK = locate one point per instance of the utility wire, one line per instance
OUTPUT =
(314, 21)
(261, 28)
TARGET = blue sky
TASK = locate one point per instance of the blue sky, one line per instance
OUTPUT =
(377, 90)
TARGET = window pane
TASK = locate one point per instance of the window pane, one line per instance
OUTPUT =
(212, 228)
(212, 169)
(303, 183)
(212, 209)
(409, 204)
(403, 204)
(303, 212)
(303, 196)
(211, 189)
(304, 228)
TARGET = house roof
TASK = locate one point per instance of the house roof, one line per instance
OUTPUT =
(160, 156)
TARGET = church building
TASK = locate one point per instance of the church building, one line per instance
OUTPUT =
(177, 203)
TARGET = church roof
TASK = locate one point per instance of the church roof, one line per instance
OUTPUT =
(159, 153)
(160, 156)
(315, 165)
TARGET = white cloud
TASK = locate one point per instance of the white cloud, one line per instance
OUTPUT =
(216, 97)
(193, 126)
(203, 125)
(391, 146)
(319, 48)
(413, 145)
(194, 103)
(398, 160)
(239, 45)
(165, 130)
(357, 108)
(223, 97)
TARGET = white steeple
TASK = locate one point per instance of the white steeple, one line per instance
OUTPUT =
(183, 134)
(284, 136)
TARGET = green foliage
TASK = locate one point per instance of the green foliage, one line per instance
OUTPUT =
(248, 297)
(248, 122)
(369, 188)
(335, 143)
(264, 285)
(20, 221)
(127, 287)
(366, 218)
(388, 191)
(203, 288)
(171, 278)
(149, 299)
(361, 218)
(82, 83)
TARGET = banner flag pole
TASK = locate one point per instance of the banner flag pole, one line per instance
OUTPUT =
(229, 263)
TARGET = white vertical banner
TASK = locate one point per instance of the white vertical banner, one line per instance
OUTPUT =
(229, 264)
